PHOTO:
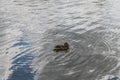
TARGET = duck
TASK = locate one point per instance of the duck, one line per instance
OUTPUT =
(59, 48)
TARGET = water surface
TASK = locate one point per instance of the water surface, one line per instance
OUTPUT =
(29, 30)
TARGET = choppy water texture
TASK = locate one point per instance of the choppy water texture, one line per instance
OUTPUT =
(29, 30)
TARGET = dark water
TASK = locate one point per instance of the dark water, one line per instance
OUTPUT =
(29, 30)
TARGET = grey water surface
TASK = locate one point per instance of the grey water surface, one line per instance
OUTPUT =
(29, 30)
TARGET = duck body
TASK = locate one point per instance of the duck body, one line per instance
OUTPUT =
(59, 48)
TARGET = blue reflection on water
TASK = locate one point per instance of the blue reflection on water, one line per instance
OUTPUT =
(21, 68)
(114, 78)
(22, 73)
(21, 62)
(20, 44)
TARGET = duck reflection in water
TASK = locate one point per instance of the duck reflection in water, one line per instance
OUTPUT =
(59, 48)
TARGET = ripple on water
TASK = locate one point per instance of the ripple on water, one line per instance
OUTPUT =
(88, 51)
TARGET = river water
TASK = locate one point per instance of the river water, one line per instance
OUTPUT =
(29, 30)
